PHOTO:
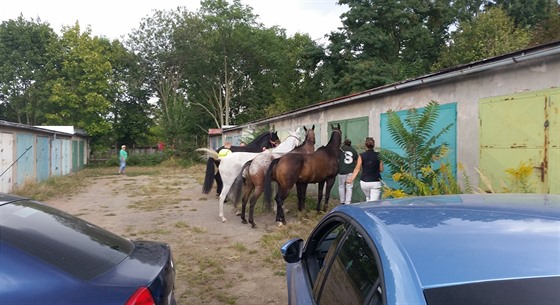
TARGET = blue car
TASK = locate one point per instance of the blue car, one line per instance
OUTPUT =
(50, 257)
(461, 249)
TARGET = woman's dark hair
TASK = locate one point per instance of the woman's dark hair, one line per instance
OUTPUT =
(347, 142)
(370, 143)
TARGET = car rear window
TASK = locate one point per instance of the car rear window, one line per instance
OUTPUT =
(542, 291)
(62, 240)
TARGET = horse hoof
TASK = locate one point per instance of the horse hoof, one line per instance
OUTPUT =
(244, 221)
(224, 220)
(279, 223)
(253, 225)
(237, 213)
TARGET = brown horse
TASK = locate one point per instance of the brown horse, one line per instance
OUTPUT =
(300, 169)
(254, 172)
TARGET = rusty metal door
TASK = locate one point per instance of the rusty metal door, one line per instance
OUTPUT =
(521, 129)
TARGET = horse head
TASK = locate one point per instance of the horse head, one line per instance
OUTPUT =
(274, 139)
(336, 136)
(310, 134)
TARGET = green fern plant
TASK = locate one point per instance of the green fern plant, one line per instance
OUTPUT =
(415, 170)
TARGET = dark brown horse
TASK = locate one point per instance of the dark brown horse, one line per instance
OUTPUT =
(254, 172)
(266, 139)
(300, 169)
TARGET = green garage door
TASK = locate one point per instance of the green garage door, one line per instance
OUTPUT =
(521, 129)
(356, 130)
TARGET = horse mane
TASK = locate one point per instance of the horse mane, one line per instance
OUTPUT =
(262, 140)
(335, 140)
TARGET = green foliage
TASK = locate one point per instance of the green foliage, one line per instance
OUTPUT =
(432, 181)
(386, 41)
(131, 117)
(422, 169)
(526, 13)
(548, 29)
(80, 93)
(26, 59)
(491, 34)
(140, 159)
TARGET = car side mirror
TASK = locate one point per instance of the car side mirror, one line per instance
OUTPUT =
(292, 250)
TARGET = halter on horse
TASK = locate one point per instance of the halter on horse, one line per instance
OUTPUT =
(318, 167)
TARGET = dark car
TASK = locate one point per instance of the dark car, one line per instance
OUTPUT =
(463, 249)
(51, 257)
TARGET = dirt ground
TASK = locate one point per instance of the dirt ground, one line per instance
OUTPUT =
(216, 263)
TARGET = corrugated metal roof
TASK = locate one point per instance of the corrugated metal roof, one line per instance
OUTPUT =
(59, 130)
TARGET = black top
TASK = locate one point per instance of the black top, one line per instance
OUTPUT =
(370, 166)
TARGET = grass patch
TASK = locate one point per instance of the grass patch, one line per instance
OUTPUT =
(157, 232)
(240, 247)
(199, 230)
(182, 225)
(75, 182)
(153, 204)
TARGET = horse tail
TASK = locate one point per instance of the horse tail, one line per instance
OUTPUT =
(210, 153)
(236, 188)
(268, 184)
(210, 169)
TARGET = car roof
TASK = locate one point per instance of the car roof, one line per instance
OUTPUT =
(456, 239)
(59, 239)
(6, 198)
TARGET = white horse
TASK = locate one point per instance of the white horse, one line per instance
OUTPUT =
(230, 165)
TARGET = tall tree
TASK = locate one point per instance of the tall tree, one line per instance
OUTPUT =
(153, 43)
(234, 67)
(25, 61)
(294, 63)
(215, 58)
(383, 41)
(80, 94)
(130, 111)
(491, 34)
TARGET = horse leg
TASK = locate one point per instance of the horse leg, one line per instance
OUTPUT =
(256, 194)
(330, 184)
(219, 183)
(252, 211)
(280, 197)
(301, 192)
(222, 200)
(244, 200)
(320, 195)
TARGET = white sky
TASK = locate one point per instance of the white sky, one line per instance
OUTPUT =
(116, 18)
